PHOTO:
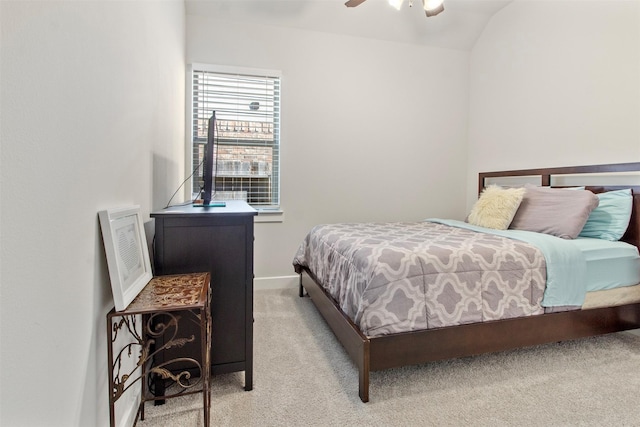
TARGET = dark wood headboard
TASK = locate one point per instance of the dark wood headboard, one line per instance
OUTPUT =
(632, 235)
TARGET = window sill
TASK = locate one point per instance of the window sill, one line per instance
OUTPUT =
(269, 215)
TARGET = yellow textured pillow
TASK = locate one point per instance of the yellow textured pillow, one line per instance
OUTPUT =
(496, 207)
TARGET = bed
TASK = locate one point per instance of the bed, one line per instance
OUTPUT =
(532, 305)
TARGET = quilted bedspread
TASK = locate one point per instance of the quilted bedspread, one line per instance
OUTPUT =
(397, 277)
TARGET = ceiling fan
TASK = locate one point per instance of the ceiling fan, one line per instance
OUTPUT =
(431, 7)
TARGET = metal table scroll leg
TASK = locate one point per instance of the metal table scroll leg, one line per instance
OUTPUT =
(143, 363)
(205, 319)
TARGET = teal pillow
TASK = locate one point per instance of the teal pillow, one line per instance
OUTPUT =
(611, 218)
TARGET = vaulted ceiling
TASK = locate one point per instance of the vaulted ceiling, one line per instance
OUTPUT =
(458, 27)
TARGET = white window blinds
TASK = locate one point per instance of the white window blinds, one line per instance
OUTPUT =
(247, 155)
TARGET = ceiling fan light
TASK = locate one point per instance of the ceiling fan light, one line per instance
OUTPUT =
(433, 7)
(397, 4)
(431, 4)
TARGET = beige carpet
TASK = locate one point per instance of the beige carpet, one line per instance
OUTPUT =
(302, 377)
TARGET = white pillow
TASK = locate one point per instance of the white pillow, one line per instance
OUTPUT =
(496, 207)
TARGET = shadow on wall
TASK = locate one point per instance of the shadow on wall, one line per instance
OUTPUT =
(150, 232)
(165, 182)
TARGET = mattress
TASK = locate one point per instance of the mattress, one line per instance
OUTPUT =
(400, 277)
(612, 297)
(609, 264)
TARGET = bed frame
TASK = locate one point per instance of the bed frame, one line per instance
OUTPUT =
(411, 348)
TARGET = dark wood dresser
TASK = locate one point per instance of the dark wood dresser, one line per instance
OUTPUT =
(218, 240)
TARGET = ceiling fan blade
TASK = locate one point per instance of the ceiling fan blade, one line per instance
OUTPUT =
(434, 12)
(353, 3)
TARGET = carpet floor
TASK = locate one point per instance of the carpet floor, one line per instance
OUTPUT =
(303, 377)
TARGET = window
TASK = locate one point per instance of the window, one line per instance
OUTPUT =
(247, 107)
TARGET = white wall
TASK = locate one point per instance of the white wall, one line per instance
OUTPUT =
(92, 117)
(92, 103)
(555, 83)
(371, 130)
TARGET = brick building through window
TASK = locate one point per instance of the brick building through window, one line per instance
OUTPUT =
(246, 158)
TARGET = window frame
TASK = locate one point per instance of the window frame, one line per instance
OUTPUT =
(274, 208)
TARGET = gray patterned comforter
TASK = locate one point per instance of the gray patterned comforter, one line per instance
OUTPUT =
(397, 277)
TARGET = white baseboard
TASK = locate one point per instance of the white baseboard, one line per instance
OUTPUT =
(127, 407)
(277, 282)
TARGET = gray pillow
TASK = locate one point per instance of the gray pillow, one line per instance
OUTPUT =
(556, 211)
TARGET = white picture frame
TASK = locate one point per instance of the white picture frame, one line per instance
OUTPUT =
(127, 254)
